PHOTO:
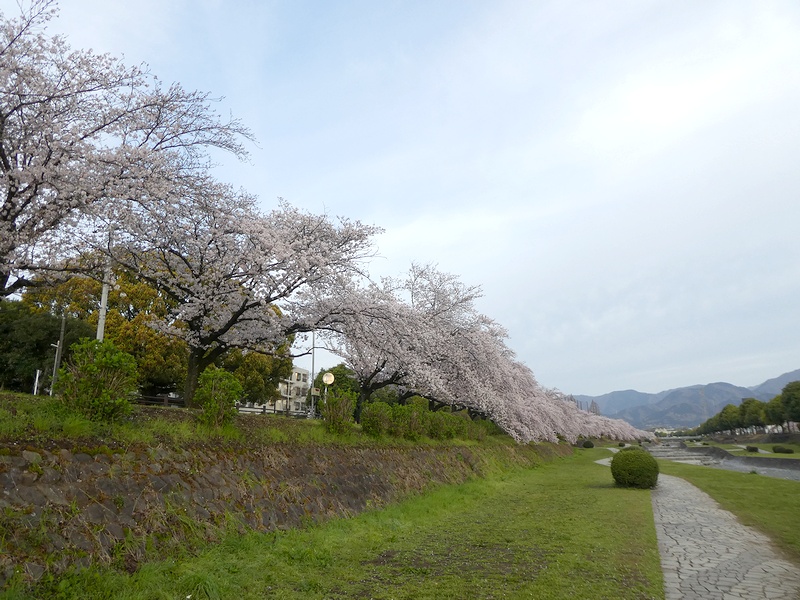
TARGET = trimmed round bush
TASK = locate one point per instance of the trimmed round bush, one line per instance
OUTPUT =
(751, 448)
(634, 468)
(622, 444)
(588, 444)
(782, 450)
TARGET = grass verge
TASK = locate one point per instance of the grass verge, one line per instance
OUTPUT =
(767, 503)
(562, 530)
(44, 422)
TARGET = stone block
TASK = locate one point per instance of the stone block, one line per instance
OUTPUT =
(7, 480)
(81, 541)
(53, 495)
(31, 496)
(157, 483)
(50, 475)
(56, 542)
(97, 513)
(33, 458)
(34, 570)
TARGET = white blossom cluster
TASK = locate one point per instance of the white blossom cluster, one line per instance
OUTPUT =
(424, 336)
(78, 130)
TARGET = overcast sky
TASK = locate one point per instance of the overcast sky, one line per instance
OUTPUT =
(622, 178)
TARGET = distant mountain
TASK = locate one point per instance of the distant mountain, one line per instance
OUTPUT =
(772, 387)
(683, 407)
(616, 401)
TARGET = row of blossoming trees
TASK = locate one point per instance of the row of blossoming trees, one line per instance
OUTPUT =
(104, 165)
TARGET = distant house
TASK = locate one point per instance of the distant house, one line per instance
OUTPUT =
(294, 391)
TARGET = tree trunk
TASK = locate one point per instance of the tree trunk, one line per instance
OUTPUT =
(363, 396)
(196, 365)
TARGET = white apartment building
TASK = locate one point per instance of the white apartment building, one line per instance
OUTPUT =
(294, 391)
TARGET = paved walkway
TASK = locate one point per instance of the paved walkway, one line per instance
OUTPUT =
(706, 554)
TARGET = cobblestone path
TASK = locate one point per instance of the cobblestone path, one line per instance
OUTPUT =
(706, 554)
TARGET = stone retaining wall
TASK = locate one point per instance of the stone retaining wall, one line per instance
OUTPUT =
(64, 508)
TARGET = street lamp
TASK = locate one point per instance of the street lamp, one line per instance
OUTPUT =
(327, 379)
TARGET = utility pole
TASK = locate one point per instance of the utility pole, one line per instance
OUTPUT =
(101, 319)
(313, 345)
(59, 349)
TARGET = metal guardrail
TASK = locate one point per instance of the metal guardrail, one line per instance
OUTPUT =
(161, 401)
(264, 409)
(261, 409)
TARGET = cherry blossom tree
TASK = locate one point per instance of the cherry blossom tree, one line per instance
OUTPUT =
(424, 335)
(230, 271)
(387, 333)
(100, 159)
(78, 129)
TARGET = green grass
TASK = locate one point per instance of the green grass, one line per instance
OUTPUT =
(558, 531)
(42, 420)
(767, 503)
(768, 448)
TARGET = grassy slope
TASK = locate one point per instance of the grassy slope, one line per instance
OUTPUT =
(43, 422)
(558, 531)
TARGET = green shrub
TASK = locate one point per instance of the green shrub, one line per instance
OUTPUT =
(418, 402)
(440, 425)
(449, 425)
(414, 420)
(588, 444)
(636, 468)
(782, 450)
(751, 448)
(408, 421)
(99, 381)
(217, 393)
(400, 420)
(338, 411)
(376, 419)
(622, 444)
